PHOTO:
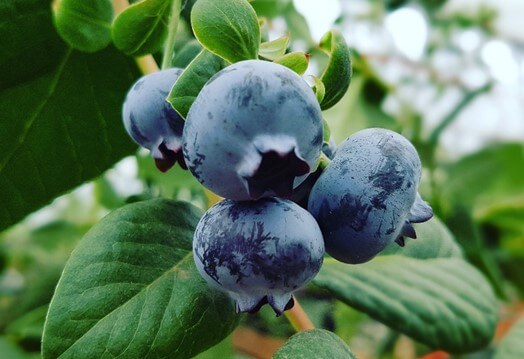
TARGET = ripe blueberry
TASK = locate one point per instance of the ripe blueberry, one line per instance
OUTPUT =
(258, 251)
(254, 130)
(367, 196)
(151, 121)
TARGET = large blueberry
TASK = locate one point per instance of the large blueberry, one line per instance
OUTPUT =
(151, 121)
(258, 251)
(254, 130)
(367, 196)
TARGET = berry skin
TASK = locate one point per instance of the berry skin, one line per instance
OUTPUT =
(151, 121)
(254, 130)
(258, 251)
(367, 196)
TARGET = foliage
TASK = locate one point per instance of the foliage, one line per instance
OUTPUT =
(308, 345)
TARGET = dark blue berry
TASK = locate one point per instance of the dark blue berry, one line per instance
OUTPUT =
(367, 196)
(255, 130)
(151, 121)
(258, 251)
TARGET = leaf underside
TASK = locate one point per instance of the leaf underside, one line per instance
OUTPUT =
(428, 293)
(313, 344)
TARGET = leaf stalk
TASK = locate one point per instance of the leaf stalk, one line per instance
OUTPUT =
(174, 19)
(298, 318)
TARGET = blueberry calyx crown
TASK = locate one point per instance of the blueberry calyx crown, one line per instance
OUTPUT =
(276, 174)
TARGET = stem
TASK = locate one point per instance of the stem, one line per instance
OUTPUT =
(298, 318)
(323, 161)
(254, 344)
(448, 120)
(147, 63)
(119, 6)
(212, 198)
(172, 26)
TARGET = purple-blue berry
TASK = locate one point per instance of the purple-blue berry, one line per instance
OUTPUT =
(367, 196)
(151, 121)
(254, 130)
(258, 251)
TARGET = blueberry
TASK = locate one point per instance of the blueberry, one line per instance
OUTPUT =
(367, 196)
(254, 130)
(258, 251)
(151, 121)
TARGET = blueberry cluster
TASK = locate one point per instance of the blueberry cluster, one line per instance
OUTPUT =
(254, 135)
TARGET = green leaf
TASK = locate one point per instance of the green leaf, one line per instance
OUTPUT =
(296, 61)
(320, 91)
(326, 131)
(269, 8)
(484, 179)
(356, 112)
(434, 240)
(224, 349)
(487, 188)
(312, 344)
(227, 28)
(444, 303)
(272, 50)
(191, 81)
(62, 113)
(512, 345)
(141, 28)
(84, 25)
(106, 193)
(297, 25)
(337, 75)
(186, 54)
(349, 322)
(29, 326)
(169, 183)
(507, 214)
(131, 289)
(10, 350)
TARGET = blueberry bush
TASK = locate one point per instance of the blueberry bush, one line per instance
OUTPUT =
(280, 210)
